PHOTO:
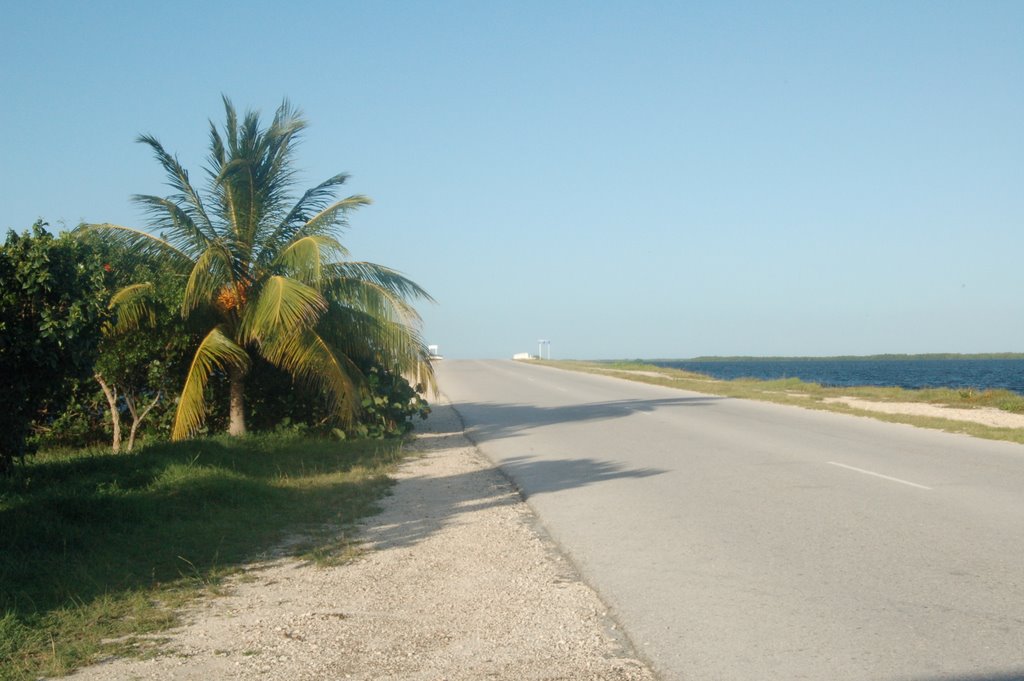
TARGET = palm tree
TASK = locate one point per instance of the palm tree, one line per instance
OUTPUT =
(270, 273)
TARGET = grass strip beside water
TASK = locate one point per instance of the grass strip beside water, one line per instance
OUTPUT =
(97, 549)
(795, 392)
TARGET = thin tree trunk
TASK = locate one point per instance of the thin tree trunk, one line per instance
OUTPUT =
(115, 416)
(236, 410)
(137, 417)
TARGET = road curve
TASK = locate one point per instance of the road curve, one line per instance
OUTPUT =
(742, 540)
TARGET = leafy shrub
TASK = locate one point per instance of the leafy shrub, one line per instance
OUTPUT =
(51, 307)
(389, 406)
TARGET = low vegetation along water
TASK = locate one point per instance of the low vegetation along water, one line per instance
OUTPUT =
(983, 373)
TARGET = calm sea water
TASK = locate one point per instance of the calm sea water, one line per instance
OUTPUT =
(905, 373)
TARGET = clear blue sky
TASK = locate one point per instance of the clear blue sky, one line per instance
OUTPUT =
(642, 179)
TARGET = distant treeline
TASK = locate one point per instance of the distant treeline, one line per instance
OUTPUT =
(848, 358)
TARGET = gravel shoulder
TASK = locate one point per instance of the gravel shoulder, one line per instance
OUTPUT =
(457, 581)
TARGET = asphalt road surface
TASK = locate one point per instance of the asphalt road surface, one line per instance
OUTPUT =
(734, 539)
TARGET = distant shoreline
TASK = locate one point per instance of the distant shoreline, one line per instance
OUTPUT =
(846, 358)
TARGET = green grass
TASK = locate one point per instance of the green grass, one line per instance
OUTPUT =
(97, 550)
(811, 395)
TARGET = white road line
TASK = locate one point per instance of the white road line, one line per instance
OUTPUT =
(878, 475)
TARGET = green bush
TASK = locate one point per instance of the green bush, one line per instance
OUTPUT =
(51, 308)
(389, 406)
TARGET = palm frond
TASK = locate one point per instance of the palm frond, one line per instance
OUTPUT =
(312, 203)
(233, 190)
(132, 308)
(254, 174)
(304, 258)
(178, 179)
(328, 220)
(174, 223)
(314, 200)
(281, 305)
(217, 157)
(391, 344)
(371, 316)
(384, 277)
(288, 119)
(138, 242)
(212, 270)
(214, 167)
(378, 291)
(216, 351)
(288, 124)
(374, 300)
(309, 359)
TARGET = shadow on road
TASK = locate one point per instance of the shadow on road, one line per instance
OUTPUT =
(435, 502)
(494, 420)
(560, 474)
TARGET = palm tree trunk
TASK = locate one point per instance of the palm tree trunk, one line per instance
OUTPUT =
(236, 409)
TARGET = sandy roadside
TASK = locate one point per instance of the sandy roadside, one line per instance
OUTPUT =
(458, 582)
(988, 416)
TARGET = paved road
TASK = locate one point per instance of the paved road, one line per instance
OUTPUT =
(742, 540)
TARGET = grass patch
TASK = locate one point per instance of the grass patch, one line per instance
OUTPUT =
(793, 391)
(97, 550)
